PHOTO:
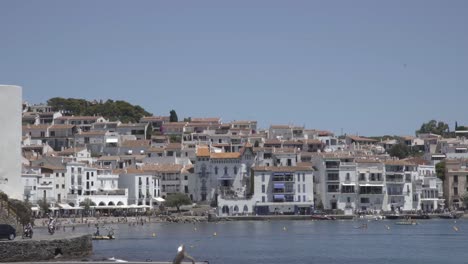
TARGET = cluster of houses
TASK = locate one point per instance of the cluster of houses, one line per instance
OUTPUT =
(235, 166)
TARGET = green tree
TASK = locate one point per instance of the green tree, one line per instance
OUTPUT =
(173, 116)
(22, 209)
(440, 170)
(44, 205)
(177, 200)
(86, 204)
(3, 199)
(113, 110)
(400, 151)
(465, 200)
(435, 127)
(149, 131)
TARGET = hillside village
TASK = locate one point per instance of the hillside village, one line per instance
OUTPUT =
(236, 167)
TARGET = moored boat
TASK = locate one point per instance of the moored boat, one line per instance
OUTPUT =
(406, 223)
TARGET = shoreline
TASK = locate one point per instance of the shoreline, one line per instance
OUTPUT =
(91, 221)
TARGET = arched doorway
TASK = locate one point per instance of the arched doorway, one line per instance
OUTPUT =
(225, 209)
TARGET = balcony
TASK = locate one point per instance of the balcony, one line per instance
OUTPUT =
(287, 178)
(395, 180)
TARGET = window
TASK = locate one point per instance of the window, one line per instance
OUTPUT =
(455, 178)
(63, 186)
(455, 190)
(79, 170)
(364, 200)
(298, 177)
(56, 186)
(263, 177)
(186, 177)
(298, 198)
(303, 177)
(348, 199)
(263, 188)
(298, 188)
(52, 133)
(235, 170)
(216, 170)
(92, 183)
(56, 174)
(87, 175)
(333, 188)
(263, 199)
(63, 174)
(362, 177)
(303, 188)
(348, 177)
(72, 169)
(225, 170)
(304, 198)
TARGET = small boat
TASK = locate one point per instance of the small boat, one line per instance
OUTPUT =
(406, 223)
(420, 216)
(322, 217)
(450, 215)
(103, 237)
(393, 217)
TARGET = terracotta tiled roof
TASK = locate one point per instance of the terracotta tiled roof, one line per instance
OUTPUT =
(203, 151)
(313, 142)
(70, 151)
(173, 146)
(155, 150)
(164, 168)
(136, 143)
(38, 127)
(399, 163)
(155, 118)
(363, 139)
(92, 133)
(206, 119)
(225, 155)
(175, 124)
(61, 127)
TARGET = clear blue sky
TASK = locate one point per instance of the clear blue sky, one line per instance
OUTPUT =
(367, 67)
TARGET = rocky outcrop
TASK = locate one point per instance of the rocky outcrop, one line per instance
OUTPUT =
(184, 219)
(41, 250)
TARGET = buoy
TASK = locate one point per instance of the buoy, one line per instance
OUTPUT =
(388, 228)
(455, 228)
(194, 229)
(214, 234)
(154, 234)
(284, 228)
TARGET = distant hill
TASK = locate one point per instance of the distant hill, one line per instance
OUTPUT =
(113, 110)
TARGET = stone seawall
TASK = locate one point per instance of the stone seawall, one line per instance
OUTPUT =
(46, 249)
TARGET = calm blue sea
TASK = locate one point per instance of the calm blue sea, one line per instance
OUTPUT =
(279, 242)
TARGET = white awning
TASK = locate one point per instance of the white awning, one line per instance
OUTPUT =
(348, 184)
(35, 208)
(112, 140)
(65, 206)
(159, 199)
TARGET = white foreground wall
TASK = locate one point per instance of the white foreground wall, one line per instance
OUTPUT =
(10, 141)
